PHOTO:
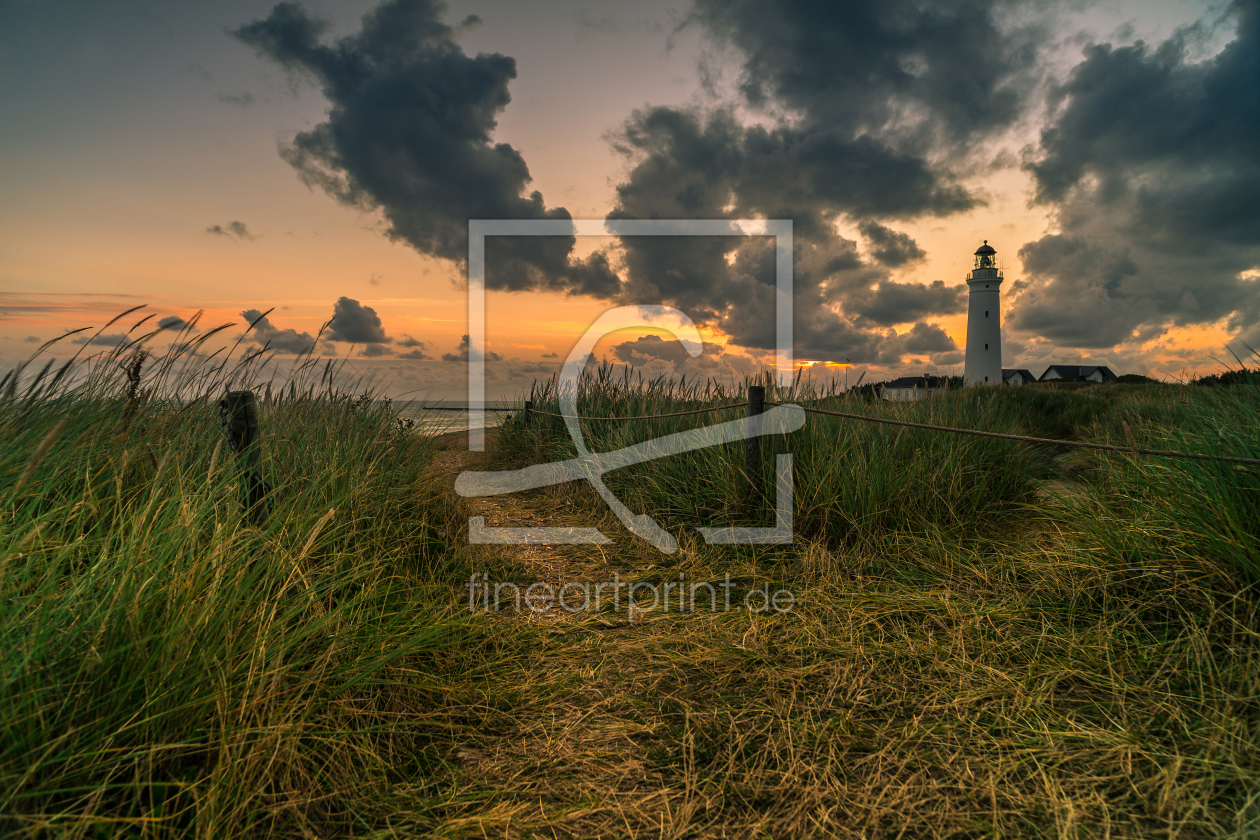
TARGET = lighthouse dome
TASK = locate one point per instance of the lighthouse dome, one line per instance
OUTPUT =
(985, 250)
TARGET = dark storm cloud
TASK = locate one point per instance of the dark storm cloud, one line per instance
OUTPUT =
(693, 165)
(172, 322)
(1153, 165)
(650, 347)
(461, 355)
(356, 323)
(928, 338)
(916, 73)
(283, 341)
(899, 303)
(234, 230)
(890, 247)
(873, 112)
(410, 131)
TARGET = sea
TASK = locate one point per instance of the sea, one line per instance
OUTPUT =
(438, 416)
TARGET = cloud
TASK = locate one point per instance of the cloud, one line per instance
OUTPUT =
(354, 322)
(649, 347)
(284, 341)
(245, 98)
(32, 339)
(461, 355)
(1152, 168)
(410, 132)
(234, 230)
(172, 322)
(408, 341)
(867, 112)
(103, 340)
(890, 247)
(899, 303)
(551, 355)
(928, 338)
(914, 75)
(413, 354)
(375, 350)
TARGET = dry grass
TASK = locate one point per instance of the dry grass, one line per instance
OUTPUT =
(1025, 682)
(1074, 665)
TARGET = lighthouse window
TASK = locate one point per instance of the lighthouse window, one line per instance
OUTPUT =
(986, 347)
(986, 313)
(986, 379)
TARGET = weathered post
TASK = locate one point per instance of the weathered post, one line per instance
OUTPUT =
(525, 415)
(752, 444)
(240, 421)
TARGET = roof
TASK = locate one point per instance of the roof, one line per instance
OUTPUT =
(917, 382)
(1080, 373)
(986, 248)
(1007, 373)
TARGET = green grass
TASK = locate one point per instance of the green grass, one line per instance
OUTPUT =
(969, 656)
(861, 484)
(171, 670)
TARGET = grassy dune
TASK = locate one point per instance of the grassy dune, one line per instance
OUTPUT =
(968, 656)
(170, 670)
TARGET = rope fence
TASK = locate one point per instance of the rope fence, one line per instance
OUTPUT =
(757, 402)
(646, 416)
(1163, 453)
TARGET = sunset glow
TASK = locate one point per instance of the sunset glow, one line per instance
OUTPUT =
(206, 161)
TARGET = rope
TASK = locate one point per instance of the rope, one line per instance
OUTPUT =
(1164, 453)
(647, 416)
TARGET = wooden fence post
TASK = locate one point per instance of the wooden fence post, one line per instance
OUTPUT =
(752, 444)
(240, 421)
(529, 406)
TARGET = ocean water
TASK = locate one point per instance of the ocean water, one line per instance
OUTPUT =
(430, 418)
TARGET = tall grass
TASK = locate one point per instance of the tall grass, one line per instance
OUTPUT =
(171, 670)
(861, 484)
(969, 653)
(1205, 512)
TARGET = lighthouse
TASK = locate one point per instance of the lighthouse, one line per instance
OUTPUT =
(984, 322)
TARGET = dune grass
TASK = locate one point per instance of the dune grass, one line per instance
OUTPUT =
(171, 670)
(967, 656)
(989, 639)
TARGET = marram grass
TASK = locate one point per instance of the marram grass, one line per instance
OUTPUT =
(170, 670)
(989, 639)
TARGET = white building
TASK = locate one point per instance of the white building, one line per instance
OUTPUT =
(983, 364)
(913, 388)
(1078, 373)
(1017, 376)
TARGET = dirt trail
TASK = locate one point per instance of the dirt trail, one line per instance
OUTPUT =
(548, 564)
(570, 758)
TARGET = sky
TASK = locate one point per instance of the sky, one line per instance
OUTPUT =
(319, 162)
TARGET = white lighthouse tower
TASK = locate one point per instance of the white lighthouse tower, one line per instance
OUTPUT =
(984, 322)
